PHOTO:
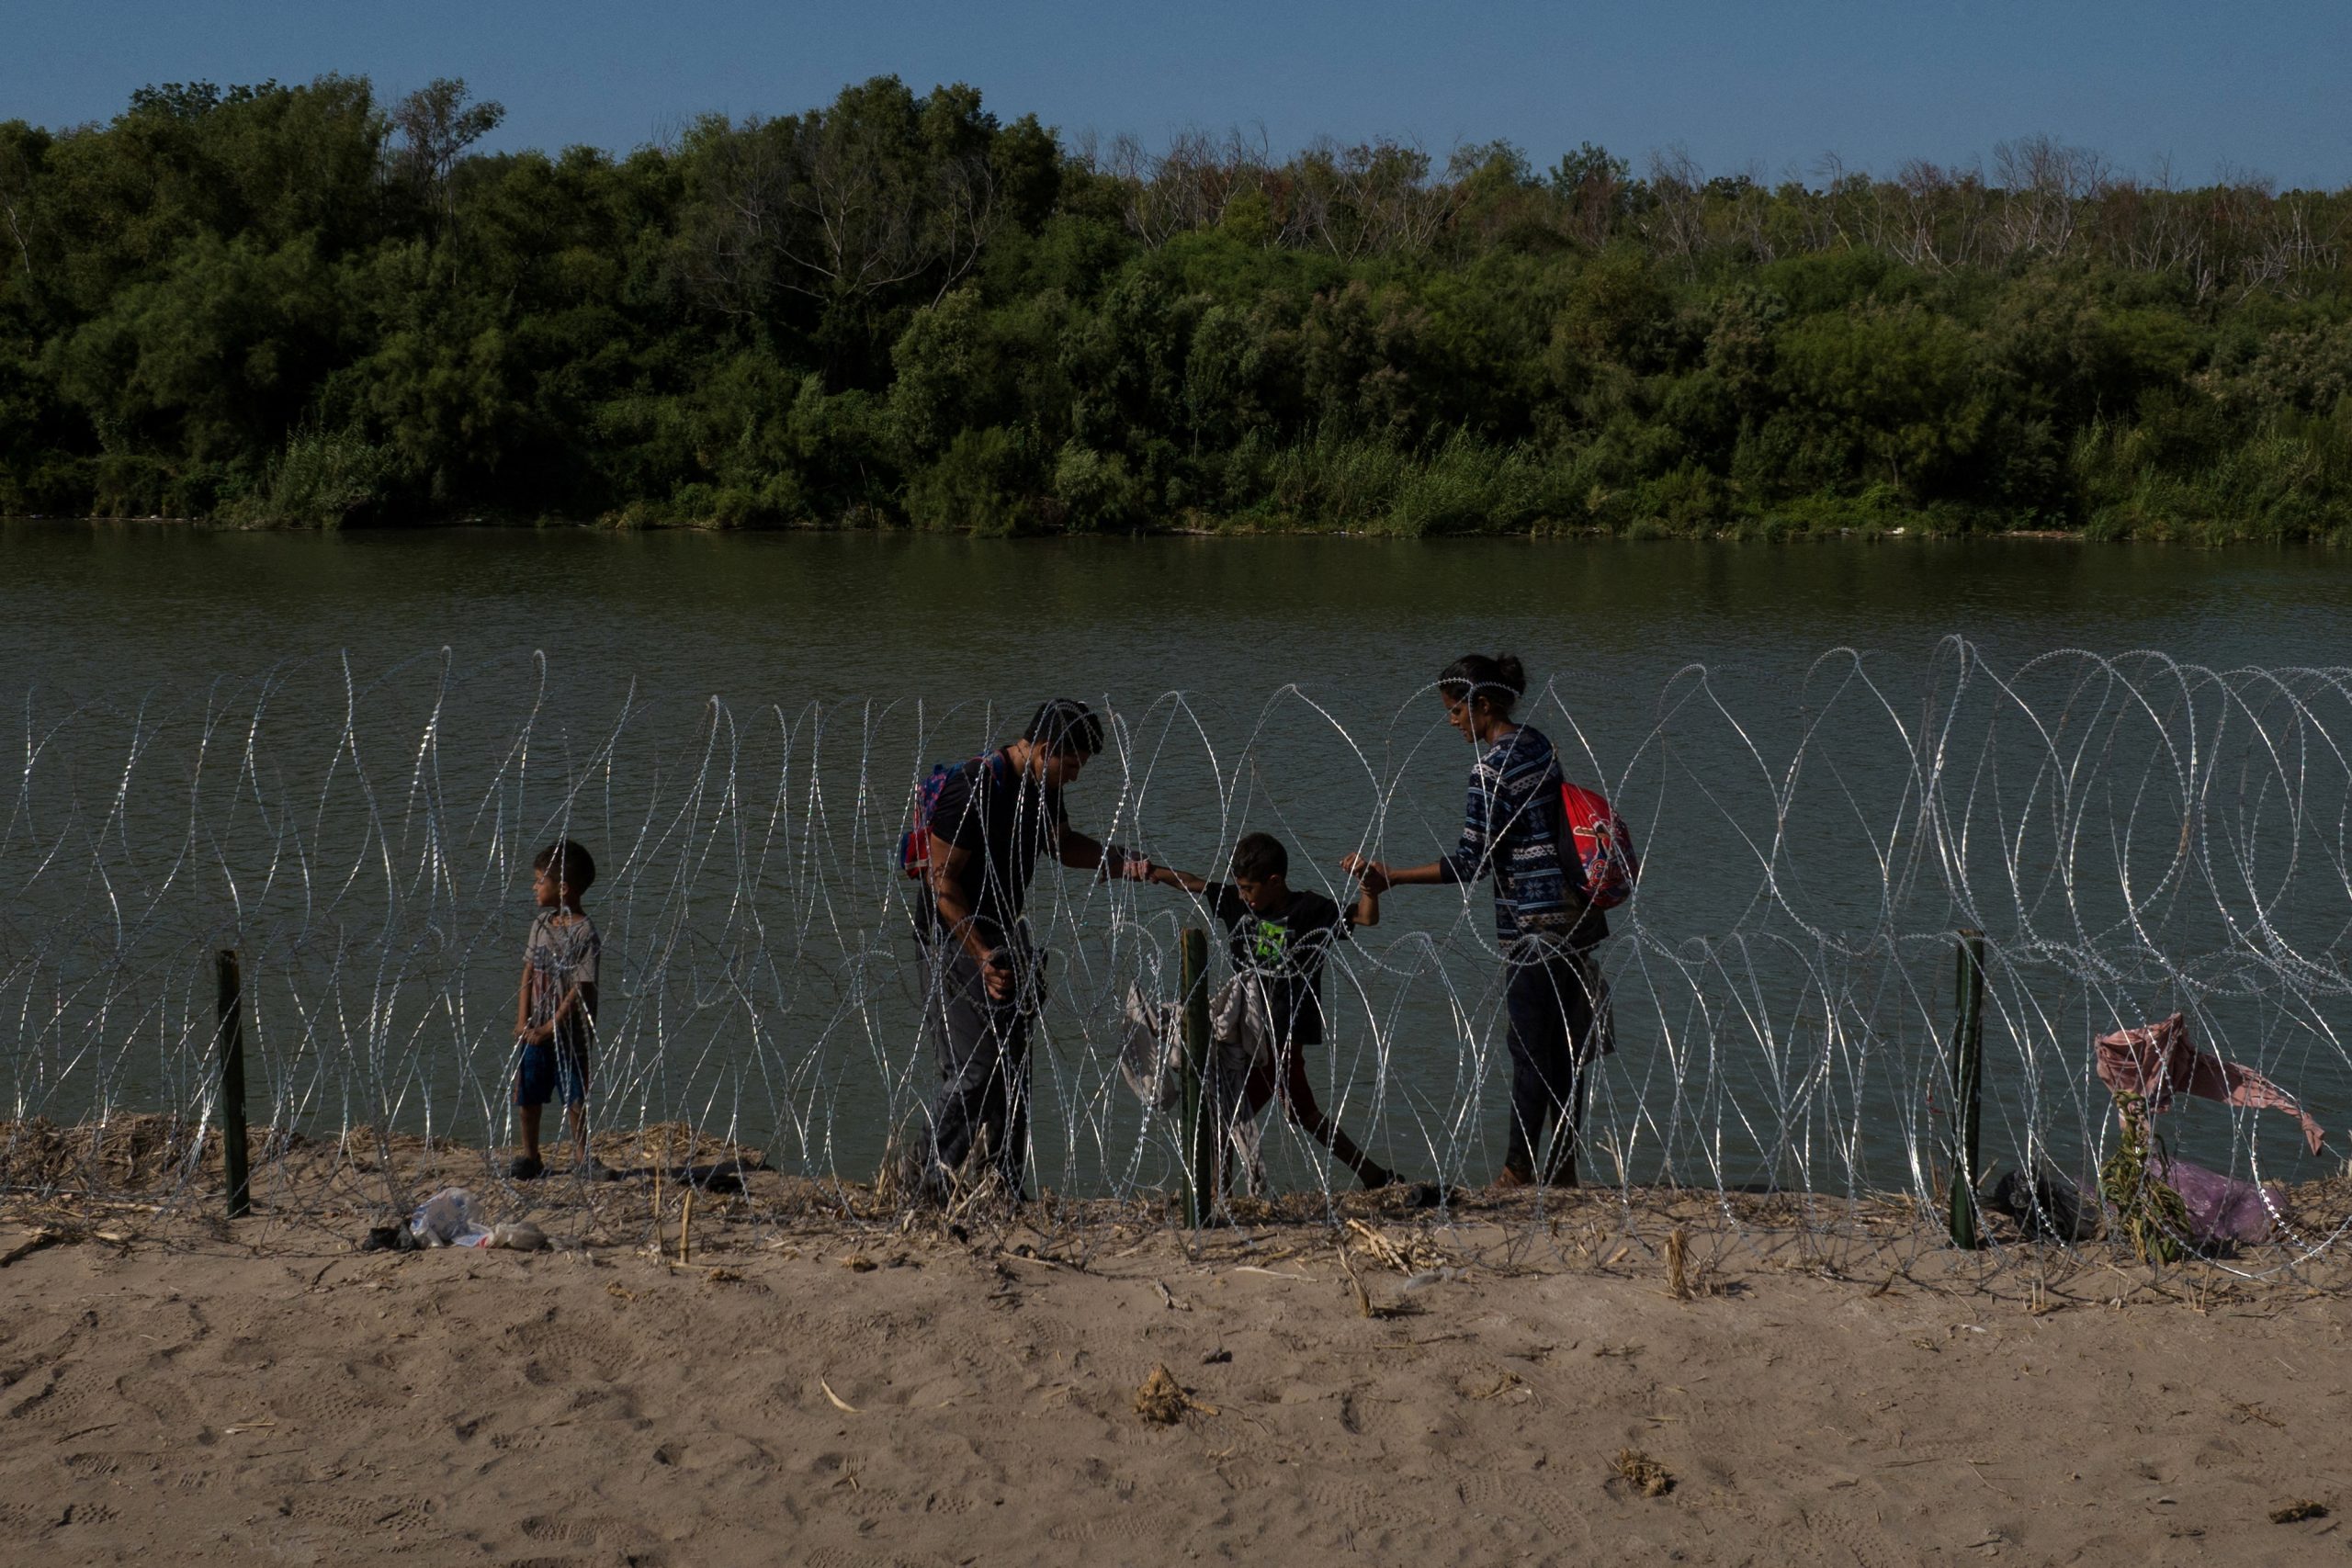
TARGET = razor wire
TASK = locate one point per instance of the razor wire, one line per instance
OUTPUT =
(2133, 835)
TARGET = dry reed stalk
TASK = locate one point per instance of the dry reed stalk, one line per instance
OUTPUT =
(685, 1225)
(1677, 1277)
(892, 1185)
(1380, 1246)
(40, 1238)
(977, 1183)
(1363, 1298)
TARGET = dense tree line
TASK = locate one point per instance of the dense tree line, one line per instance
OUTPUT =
(301, 305)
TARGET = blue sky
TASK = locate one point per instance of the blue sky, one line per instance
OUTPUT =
(2219, 84)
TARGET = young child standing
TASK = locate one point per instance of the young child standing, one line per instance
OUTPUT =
(554, 1014)
(1283, 936)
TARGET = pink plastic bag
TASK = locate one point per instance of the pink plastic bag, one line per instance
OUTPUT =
(2220, 1208)
(2157, 1061)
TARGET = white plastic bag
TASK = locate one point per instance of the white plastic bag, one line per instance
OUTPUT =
(445, 1218)
(522, 1235)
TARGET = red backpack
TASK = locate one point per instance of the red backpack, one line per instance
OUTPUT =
(1604, 845)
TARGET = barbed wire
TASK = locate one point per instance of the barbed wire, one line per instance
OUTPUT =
(2132, 835)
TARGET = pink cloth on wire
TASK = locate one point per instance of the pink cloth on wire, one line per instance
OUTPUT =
(2157, 1061)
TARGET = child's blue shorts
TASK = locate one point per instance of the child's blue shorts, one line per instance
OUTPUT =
(551, 1071)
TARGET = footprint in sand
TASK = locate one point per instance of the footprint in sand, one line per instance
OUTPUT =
(1366, 1412)
(552, 1528)
(1510, 1496)
(869, 1500)
(1049, 1333)
(834, 1557)
(1128, 1525)
(387, 1515)
(247, 1353)
(1346, 1501)
(1855, 1541)
(563, 1345)
(52, 1395)
(162, 1395)
(18, 1521)
(321, 1399)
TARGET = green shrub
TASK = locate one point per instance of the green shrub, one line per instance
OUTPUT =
(986, 482)
(1095, 492)
(321, 479)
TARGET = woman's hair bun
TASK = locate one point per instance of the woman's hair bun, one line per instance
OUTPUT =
(1499, 681)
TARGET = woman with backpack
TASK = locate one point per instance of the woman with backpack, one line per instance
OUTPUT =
(1515, 829)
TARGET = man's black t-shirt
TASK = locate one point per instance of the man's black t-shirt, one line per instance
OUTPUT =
(1286, 949)
(1002, 819)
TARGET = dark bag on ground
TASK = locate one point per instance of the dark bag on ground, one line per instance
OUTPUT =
(2044, 1205)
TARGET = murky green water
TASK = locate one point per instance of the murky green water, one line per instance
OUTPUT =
(792, 617)
(750, 874)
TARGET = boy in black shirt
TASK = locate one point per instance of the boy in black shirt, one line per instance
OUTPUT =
(1283, 936)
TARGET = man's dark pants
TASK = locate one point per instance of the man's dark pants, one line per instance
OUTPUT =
(983, 1046)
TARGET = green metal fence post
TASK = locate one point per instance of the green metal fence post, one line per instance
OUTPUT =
(1967, 1088)
(232, 1085)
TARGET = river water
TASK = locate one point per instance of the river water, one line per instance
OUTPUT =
(338, 750)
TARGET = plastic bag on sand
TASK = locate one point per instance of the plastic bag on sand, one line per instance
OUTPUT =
(2220, 1208)
(520, 1234)
(445, 1218)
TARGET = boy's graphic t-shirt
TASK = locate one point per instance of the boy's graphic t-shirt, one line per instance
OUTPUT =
(562, 955)
(1285, 950)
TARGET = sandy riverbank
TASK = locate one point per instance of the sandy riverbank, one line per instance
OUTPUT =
(815, 1390)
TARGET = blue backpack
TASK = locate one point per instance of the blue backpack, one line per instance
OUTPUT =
(915, 844)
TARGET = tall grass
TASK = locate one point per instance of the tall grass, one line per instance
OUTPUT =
(319, 479)
(1461, 486)
(2292, 480)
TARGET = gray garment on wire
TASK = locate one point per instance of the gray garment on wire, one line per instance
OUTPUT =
(1151, 1059)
